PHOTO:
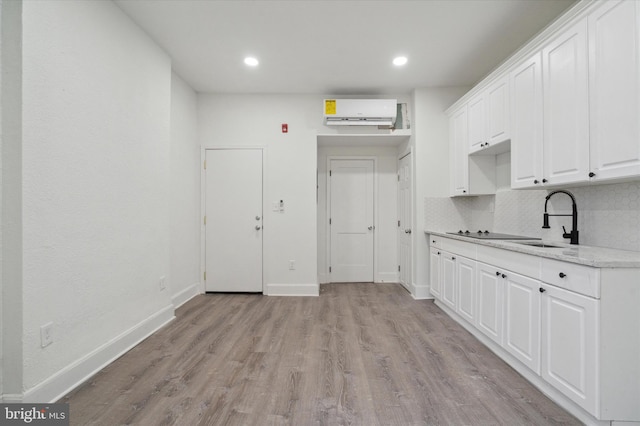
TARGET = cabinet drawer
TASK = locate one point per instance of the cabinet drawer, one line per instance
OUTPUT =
(435, 241)
(460, 247)
(577, 278)
(520, 263)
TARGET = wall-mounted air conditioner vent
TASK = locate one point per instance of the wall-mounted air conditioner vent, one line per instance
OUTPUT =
(360, 112)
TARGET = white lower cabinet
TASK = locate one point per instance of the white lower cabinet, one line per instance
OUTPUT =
(434, 273)
(448, 279)
(522, 318)
(490, 289)
(570, 345)
(569, 328)
(466, 288)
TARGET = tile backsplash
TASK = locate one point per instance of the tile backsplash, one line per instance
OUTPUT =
(608, 215)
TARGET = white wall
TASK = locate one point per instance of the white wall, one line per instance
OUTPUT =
(96, 193)
(11, 201)
(290, 175)
(431, 165)
(386, 216)
(185, 193)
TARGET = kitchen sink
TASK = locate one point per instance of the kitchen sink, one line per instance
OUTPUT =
(537, 244)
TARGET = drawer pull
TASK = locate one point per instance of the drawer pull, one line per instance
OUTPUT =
(504, 276)
(497, 273)
(453, 258)
(542, 290)
(562, 275)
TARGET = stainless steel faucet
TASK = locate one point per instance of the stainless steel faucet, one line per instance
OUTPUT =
(573, 235)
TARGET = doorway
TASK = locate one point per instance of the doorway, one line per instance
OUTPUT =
(351, 220)
(233, 220)
(405, 221)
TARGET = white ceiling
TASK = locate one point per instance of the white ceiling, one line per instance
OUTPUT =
(338, 46)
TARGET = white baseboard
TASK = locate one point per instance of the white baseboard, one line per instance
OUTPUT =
(185, 295)
(11, 398)
(293, 289)
(420, 292)
(61, 383)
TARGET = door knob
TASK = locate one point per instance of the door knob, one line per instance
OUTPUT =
(258, 227)
(370, 228)
(258, 218)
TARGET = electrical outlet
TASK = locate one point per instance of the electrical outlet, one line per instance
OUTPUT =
(46, 334)
(292, 265)
(163, 283)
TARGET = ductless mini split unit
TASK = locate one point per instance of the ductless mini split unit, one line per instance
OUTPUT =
(360, 112)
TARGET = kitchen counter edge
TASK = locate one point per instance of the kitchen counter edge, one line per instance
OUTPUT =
(598, 257)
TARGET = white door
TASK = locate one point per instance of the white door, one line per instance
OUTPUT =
(404, 221)
(351, 220)
(233, 220)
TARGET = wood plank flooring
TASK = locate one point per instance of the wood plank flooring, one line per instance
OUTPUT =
(360, 354)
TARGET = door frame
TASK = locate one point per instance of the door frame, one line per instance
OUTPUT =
(401, 156)
(375, 210)
(203, 203)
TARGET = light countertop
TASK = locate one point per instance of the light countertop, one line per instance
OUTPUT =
(599, 257)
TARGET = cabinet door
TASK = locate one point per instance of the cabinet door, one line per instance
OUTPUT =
(614, 77)
(570, 345)
(522, 319)
(434, 273)
(459, 161)
(526, 123)
(490, 302)
(566, 107)
(448, 273)
(477, 123)
(497, 114)
(466, 288)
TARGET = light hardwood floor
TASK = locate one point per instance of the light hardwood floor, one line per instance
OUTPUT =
(361, 354)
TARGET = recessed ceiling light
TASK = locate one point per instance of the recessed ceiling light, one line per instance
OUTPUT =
(252, 62)
(400, 61)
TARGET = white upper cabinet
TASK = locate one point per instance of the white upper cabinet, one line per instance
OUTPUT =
(468, 175)
(459, 152)
(498, 119)
(489, 116)
(614, 79)
(566, 108)
(477, 123)
(526, 123)
(569, 102)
